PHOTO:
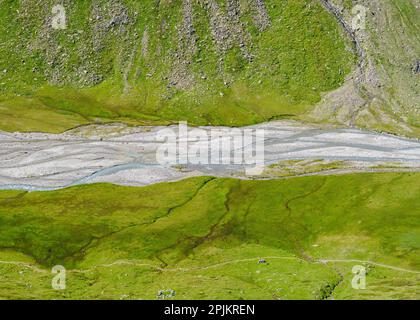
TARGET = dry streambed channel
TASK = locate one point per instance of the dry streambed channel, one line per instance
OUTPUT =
(127, 155)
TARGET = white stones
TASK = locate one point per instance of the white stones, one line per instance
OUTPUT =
(127, 155)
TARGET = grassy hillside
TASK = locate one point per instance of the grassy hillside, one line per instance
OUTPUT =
(384, 92)
(203, 237)
(231, 62)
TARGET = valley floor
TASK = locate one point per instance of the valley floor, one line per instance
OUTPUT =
(127, 155)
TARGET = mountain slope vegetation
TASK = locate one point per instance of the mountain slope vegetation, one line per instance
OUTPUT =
(232, 62)
(383, 92)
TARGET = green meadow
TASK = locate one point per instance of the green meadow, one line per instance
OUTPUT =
(203, 238)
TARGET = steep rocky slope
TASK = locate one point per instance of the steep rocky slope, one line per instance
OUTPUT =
(383, 93)
(217, 62)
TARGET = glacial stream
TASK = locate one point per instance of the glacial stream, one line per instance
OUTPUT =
(127, 156)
